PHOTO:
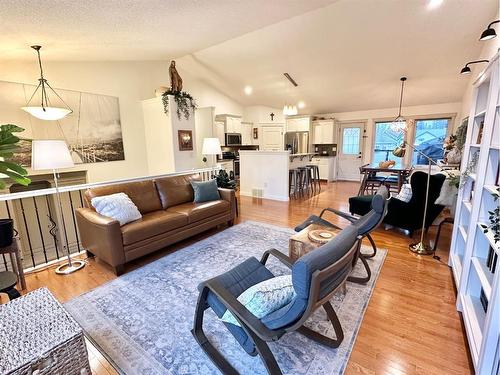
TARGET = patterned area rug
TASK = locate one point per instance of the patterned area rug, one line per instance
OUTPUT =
(142, 320)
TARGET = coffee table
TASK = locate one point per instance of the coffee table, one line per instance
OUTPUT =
(301, 243)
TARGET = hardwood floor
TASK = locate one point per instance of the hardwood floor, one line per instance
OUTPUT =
(411, 325)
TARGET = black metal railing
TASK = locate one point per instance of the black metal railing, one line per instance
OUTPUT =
(37, 221)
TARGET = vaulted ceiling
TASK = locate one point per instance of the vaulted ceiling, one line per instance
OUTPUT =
(346, 55)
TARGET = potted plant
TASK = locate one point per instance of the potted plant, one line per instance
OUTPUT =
(9, 143)
(185, 103)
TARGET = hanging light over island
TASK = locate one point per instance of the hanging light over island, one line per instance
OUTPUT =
(45, 111)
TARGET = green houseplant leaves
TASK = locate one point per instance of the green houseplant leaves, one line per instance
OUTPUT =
(8, 145)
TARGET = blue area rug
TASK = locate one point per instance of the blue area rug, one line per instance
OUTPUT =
(142, 320)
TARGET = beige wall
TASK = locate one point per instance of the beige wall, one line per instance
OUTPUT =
(131, 82)
(370, 117)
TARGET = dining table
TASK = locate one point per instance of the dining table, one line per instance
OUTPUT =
(370, 171)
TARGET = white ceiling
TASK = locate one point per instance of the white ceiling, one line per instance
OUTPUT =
(133, 29)
(350, 55)
(346, 55)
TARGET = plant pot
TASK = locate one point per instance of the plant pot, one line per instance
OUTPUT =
(6, 232)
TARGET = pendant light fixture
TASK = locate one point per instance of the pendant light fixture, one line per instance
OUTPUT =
(45, 111)
(288, 109)
(399, 123)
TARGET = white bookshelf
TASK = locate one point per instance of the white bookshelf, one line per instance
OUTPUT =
(470, 246)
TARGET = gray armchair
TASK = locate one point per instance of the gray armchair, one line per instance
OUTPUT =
(316, 276)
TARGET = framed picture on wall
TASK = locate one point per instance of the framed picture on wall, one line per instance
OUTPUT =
(185, 140)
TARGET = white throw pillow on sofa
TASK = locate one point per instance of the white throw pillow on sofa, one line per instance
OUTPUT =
(117, 206)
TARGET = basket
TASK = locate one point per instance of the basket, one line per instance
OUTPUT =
(38, 336)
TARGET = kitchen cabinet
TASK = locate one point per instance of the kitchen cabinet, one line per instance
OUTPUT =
(323, 132)
(326, 167)
(298, 124)
(246, 133)
(232, 123)
(272, 138)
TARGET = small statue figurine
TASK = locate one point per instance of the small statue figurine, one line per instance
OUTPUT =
(175, 78)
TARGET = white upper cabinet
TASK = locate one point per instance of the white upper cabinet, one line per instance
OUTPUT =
(298, 124)
(232, 123)
(246, 133)
(323, 132)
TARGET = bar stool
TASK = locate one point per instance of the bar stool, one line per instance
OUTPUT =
(294, 182)
(305, 180)
(315, 176)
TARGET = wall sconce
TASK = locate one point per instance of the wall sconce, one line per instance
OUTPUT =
(466, 69)
(489, 33)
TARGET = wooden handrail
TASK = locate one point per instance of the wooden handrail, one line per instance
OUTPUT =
(62, 189)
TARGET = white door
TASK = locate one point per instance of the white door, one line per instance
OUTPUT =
(350, 151)
(272, 138)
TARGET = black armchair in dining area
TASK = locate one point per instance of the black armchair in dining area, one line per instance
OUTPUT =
(407, 215)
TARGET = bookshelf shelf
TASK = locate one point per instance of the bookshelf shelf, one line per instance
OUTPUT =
(484, 274)
(474, 255)
(489, 237)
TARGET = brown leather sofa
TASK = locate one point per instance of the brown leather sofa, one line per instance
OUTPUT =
(168, 213)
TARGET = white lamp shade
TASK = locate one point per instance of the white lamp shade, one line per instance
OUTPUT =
(50, 154)
(47, 113)
(211, 146)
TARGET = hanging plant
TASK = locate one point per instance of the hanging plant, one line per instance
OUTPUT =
(186, 104)
(494, 218)
(461, 180)
(9, 144)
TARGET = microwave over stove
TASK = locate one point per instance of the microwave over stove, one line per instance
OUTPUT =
(233, 139)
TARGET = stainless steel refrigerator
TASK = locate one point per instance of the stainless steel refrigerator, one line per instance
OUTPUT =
(297, 142)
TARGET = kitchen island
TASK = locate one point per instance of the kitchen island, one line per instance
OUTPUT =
(264, 174)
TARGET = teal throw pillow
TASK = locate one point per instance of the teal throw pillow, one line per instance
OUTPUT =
(264, 298)
(205, 191)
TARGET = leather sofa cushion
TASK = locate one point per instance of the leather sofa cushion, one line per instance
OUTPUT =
(142, 193)
(175, 190)
(200, 211)
(152, 224)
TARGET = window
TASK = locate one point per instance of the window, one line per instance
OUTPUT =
(350, 141)
(429, 138)
(386, 140)
(429, 135)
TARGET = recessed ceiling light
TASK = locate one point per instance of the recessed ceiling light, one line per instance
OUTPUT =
(433, 4)
(301, 104)
(248, 90)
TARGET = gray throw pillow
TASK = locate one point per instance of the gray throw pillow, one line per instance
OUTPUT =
(205, 191)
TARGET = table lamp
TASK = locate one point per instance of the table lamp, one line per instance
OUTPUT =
(211, 146)
(54, 154)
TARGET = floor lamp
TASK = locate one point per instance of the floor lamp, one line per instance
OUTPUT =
(53, 155)
(211, 146)
(421, 247)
